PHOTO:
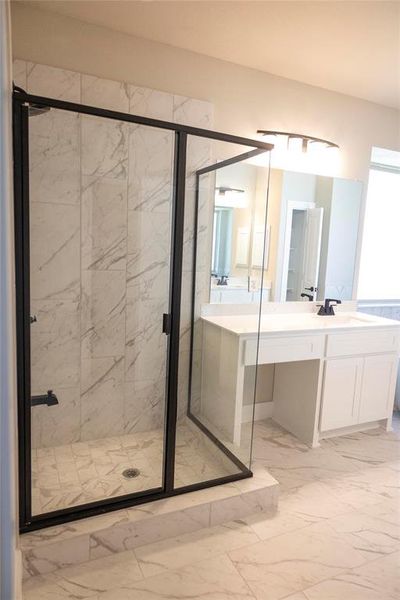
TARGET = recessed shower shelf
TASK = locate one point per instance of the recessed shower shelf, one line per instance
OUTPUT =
(74, 543)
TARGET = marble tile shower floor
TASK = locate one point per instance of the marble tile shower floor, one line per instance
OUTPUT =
(73, 474)
(336, 536)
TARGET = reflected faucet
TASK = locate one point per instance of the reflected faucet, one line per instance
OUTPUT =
(223, 280)
(309, 296)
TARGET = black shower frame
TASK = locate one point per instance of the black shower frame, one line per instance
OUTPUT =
(21, 103)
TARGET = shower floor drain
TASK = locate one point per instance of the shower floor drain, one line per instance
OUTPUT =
(131, 473)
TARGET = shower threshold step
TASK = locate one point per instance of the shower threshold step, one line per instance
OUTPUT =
(74, 543)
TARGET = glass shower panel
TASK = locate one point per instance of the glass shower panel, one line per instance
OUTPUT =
(225, 207)
(100, 241)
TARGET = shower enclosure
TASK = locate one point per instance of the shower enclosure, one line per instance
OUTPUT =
(114, 222)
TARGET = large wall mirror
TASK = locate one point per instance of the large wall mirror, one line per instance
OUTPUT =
(309, 241)
(239, 239)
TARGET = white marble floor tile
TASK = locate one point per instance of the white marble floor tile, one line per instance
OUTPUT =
(268, 526)
(382, 481)
(378, 580)
(86, 581)
(369, 448)
(291, 562)
(192, 547)
(214, 579)
(99, 575)
(39, 588)
(313, 502)
(369, 535)
(388, 510)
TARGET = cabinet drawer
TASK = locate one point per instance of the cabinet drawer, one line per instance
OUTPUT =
(284, 349)
(362, 342)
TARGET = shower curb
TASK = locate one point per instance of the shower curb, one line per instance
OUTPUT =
(61, 546)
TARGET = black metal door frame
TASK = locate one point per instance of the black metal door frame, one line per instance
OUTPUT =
(21, 103)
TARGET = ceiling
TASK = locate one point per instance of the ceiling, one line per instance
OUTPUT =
(345, 46)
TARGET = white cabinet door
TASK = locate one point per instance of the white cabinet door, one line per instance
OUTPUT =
(341, 393)
(377, 389)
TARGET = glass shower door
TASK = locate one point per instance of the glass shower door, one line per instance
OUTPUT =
(223, 272)
(100, 207)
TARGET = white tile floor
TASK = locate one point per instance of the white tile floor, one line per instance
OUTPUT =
(336, 536)
(78, 473)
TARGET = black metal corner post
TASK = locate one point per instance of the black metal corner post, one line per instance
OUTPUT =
(22, 283)
(178, 208)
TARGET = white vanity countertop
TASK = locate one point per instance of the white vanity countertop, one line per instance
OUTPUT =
(298, 322)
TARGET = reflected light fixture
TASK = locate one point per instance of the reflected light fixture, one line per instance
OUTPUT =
(228, 197)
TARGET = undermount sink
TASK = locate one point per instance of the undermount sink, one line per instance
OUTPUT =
(340, 319)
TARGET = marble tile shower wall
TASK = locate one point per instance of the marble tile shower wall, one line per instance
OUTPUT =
(100, 194)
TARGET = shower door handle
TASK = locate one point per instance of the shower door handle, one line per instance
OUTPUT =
(166, 323)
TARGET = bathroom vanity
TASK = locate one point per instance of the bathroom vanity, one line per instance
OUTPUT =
(333, 374)
(315, 375)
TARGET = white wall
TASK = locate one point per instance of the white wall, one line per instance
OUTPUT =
(9, 585)
(245, 99)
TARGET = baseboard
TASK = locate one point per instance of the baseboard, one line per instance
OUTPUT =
(262, 410)
(324, 435)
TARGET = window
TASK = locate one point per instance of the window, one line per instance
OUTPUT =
(380, 255)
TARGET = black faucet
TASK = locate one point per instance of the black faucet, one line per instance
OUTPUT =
(223, 280)
(326, 309)
(309, 296)
(50, 399)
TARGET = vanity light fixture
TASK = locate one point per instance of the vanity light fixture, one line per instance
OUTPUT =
(228, 197)
(296, 141)
(301, 153)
